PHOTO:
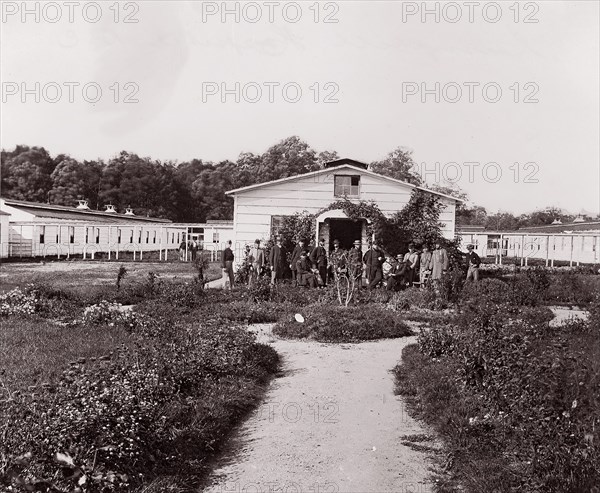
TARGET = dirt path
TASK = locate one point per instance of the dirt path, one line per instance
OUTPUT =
(330, 424)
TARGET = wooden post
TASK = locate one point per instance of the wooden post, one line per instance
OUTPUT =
(187, 240)
(522, 249)
(160, 244)
(572, 246)
(526, 256)
(553, 250)
(547, 248)
(501, 245)
(109, 238)
(141, 243)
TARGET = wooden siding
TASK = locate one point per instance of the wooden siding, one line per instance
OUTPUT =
(89, 239)
(253, 208)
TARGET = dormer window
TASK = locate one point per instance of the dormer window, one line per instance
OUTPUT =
(347, 185)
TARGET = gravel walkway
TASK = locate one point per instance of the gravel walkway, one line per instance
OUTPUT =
(331, 423)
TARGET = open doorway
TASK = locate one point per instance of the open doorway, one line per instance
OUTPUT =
(346, 231)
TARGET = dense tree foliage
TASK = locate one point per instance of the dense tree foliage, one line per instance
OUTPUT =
(194, 191)
(398, 164)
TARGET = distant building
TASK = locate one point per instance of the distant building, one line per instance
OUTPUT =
(577, 242)
(4, 233)
(259, 209)
(40, 230)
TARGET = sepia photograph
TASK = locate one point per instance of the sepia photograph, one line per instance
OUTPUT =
(300, 246)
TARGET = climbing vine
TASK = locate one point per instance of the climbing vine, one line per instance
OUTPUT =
(417, 222)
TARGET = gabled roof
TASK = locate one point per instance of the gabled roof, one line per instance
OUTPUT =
(328, 170)
(72, 213)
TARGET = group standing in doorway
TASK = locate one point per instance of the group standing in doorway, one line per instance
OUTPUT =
(315, 267)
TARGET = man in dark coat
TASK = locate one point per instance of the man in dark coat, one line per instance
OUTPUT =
(318, 257)
(337, 260)
(355, 262)
(295, 257)
(373, 261)
(473, 261)
(277, 260)
(227, 258)
(306, 276)
(397, 279)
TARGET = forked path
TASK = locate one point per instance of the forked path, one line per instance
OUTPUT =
(331, 423)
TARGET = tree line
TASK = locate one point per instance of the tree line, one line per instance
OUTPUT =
(194, 191)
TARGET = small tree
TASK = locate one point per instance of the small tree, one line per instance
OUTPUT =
(347, 276)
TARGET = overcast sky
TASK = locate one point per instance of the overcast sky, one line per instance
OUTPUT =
(355, 77)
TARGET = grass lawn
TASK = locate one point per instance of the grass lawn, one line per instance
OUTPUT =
(137, 398)
(63, 274)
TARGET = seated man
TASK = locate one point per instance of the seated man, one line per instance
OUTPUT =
(304, 272)
(397, 279)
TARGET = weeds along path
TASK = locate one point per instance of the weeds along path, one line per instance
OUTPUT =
(330, 423)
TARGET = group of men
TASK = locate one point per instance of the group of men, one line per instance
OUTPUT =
(314, 267)
(189, 250)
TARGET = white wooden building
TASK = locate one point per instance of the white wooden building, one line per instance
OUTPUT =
(259, 209)
(46, 230)
(575, 243)
(4, 233)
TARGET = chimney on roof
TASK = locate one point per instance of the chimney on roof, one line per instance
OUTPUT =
(129, 211)
(579, 219)
(83, 205)
(557, 221)
(111, 209)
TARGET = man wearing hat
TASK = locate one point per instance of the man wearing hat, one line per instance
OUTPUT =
(306, 276)
(474, 261)
(295, 257)
(373, 261)
(277, 260)
(397, 276)
(412, 256)
(256, 257)
(355, 262)
(337, 260)
(318, 257)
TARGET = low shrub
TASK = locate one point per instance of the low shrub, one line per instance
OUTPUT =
(158, 407)
(18, 302)
(530, 387)
(328, 323)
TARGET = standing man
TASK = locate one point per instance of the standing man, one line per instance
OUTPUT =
(474, 261)
(298, 249)
(425, 268)
(194, 249)
(277, 260)
(257, 262)
(318, 257)
(355, 263)
(227, 264)
(439, 262)
(337, 260)
(373, 261)
(412, 257)
(182, 252)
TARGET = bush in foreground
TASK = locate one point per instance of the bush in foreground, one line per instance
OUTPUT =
(161, 406)
(516, 400)
(328, 323)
